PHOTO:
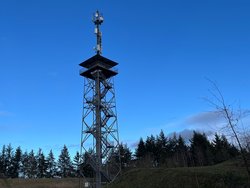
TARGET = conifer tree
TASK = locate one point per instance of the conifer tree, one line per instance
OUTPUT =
(32, 170)
(150, 145)
(9, 161)
(76, 164)
(64, 163)
(140, 152)
(51, 165)
(222, 149)
(85, 168)
(25, 165)
(126, 155)
(17, 162)
(221, 152)
(171, 145)
(161, 142)
(171, 152)
(41, 164)
(151, 150)
(181, 152)
(201, 150)
(3, 161)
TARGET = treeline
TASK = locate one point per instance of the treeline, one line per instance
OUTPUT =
(15, 163)
(155, 151)
(161, 151)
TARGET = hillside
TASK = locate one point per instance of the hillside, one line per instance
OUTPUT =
(229, 174)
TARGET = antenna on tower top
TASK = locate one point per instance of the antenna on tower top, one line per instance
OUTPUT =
(98, 20)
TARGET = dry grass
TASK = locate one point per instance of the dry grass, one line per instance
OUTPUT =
(40, 183)
(230, 174)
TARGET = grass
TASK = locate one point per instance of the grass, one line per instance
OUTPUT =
(40, 183)
(230, 174)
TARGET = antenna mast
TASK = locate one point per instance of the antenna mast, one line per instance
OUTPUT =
(98, 20)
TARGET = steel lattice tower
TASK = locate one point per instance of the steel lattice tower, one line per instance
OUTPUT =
(99, 140)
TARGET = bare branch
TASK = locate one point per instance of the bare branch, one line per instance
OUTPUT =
(231, 116)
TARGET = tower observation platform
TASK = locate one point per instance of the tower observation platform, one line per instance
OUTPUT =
(98, 62)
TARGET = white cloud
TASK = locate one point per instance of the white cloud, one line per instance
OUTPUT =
(203, 122)
(208, 123)
(187, 134)
(131, 143)
(204, 119)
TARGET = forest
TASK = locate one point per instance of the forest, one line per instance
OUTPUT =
(153, 152)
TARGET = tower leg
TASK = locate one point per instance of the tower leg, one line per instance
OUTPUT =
(98, 130)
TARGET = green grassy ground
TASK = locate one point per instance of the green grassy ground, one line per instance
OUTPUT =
(230, 174)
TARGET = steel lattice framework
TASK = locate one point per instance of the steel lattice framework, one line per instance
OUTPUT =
(99, 140)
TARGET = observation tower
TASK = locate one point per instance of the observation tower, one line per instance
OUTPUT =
(99, 135)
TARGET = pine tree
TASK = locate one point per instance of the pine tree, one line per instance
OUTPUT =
(32, 170)
(151, 151)
(85, 168)
(150, 145)
(222, 149)
(3, 161)
(64, 163)
(171, 152)
(126, 155)
(171, 145)
(233, 151)
(9, 161)
(161, 139)
(181, 152)
(161, 142)
(220, 152)
(76, 162)
(51, 165)
(17, 163)
(41, 164)
(140, 152)
(24, 169)
(201, 150)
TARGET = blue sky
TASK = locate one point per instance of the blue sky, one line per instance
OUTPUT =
(165, 50)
